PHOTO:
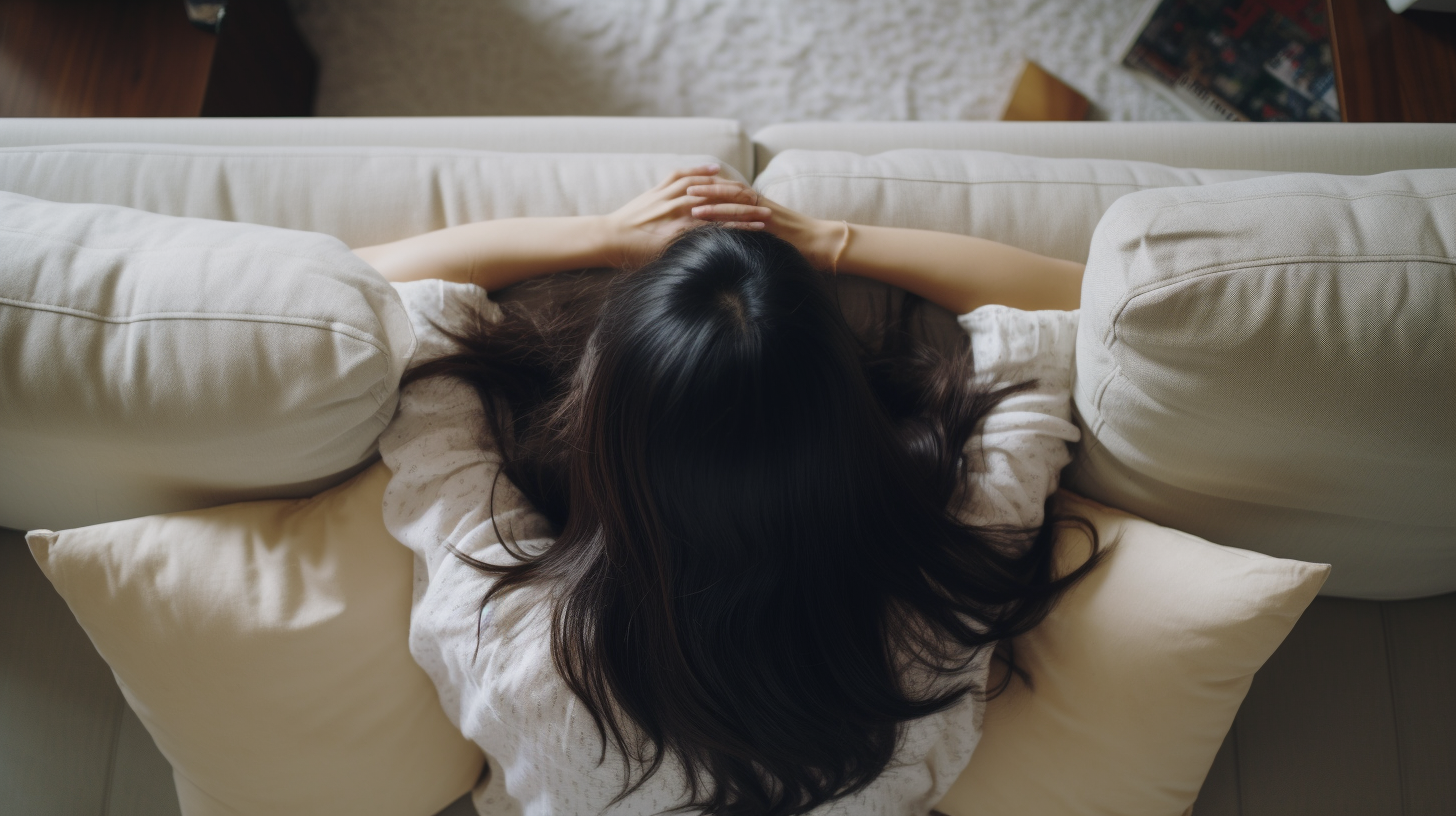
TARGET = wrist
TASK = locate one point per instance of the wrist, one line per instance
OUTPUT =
(607, 238)
(823, 242)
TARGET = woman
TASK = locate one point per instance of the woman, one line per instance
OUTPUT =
(733, 558)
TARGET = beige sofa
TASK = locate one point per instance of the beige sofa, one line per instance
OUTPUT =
(1352, 715)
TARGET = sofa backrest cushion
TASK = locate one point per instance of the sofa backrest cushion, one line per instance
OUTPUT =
(154, 363)
(1048, 206)
(360, 195)
(1271, 364)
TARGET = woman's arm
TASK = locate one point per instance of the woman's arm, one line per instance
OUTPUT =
(955, 271)
(495, 254)
(959, 272)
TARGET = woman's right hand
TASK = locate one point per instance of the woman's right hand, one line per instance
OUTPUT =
(819, 241)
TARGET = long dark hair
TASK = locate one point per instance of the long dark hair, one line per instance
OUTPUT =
(757, 542)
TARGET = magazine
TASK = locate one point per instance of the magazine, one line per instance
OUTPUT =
(1243, 60)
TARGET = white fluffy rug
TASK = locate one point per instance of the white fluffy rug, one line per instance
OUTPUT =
(760, 61)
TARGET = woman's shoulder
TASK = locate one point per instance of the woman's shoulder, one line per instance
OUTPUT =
(438, 415)
(435, 305)
(1009, 343)
(1023, 442)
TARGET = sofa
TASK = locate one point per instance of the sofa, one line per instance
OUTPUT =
(1353, 713)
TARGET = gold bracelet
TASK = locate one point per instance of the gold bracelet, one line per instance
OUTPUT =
(843, 242)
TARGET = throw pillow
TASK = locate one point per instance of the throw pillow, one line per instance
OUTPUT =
(1137, 674)
(265, 647)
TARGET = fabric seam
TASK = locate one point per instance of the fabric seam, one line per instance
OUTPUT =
(1101, 392)
(121, 705)
(239, 317)
(1238, 771)
(173, 247)
(1291, 194)
(1110, 337)
(1401, 770)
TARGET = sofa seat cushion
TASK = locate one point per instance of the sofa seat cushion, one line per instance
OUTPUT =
(1271, 364)
(154, 363)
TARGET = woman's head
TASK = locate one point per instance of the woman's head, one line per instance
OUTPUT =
(757, 565)
(721, 402)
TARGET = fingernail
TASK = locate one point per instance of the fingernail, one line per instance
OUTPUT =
(697, 210)
(713, 168)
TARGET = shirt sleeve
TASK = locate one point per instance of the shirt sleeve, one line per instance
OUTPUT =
(446, 487)
(1015, 461)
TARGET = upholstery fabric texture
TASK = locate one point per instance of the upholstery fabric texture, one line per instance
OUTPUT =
(1137, 673)
(1271, 364)
(1049, 206)
(265, 647)
(154, 363)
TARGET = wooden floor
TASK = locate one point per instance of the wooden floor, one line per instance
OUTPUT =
(143, 58)
(1393, 67)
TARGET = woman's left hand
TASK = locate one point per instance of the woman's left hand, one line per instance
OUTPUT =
(643, 226)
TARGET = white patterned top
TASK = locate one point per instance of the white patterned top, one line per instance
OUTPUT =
(502, 690)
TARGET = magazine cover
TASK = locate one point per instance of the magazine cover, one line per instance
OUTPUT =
(1259, 60)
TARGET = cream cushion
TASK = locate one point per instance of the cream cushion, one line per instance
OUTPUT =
(265, 647)
(1137, 674)
(154, 363)
(1271, 364)
(1049, 206)
(360, 195)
